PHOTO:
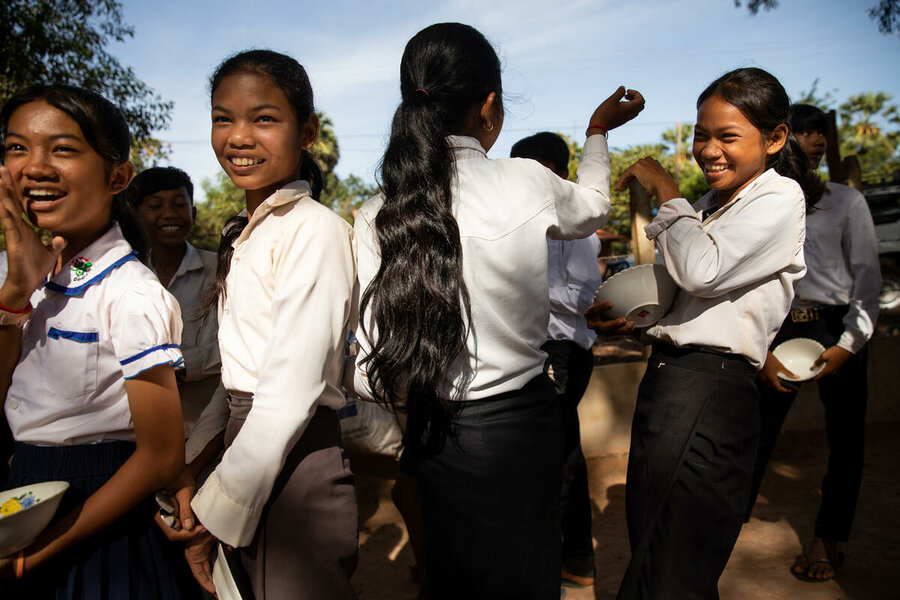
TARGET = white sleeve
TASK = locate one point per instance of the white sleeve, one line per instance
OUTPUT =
(582, 208)
(315, 282)
(368, 262)
(145, 328)
(861, 253)
(765, 238)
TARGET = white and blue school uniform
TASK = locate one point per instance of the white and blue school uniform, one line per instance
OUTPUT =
(696, 422)
(102, 319)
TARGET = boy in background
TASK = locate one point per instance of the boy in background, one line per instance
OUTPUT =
(574, 277)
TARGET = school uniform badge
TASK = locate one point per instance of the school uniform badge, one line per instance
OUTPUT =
(80, 268)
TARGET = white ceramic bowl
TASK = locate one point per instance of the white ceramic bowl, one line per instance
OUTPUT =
(798, 356)
(26, 511)
(642, 294)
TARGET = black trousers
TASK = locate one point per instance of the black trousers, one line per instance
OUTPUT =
(693, 442)
(844, 395)
(572, 366)
(490, 498)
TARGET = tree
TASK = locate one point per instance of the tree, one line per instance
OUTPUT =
(223, 201)
(811, 97)
(345, 196)
(886, 13)
(65, 41)
(870, 129)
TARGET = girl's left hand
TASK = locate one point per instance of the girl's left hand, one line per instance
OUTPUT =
(650, 174)
(834, 358)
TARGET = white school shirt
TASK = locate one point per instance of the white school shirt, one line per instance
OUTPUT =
(736, 269)
(199, 338)
(505, 209)
(290, 303)
(574, 277)
(842, 260)
(102, 319)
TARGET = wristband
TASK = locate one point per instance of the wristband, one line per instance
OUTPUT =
(10, 316)
(602, 129)
(20, 564)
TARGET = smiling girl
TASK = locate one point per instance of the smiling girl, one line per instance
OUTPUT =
(89, 340)
(283, 495)
(696, 423)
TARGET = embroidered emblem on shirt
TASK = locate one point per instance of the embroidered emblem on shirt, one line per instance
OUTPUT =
(81, 266)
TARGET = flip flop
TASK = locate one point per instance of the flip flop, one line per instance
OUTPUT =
(805, 576)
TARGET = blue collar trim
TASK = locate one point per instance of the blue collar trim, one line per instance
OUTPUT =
(74, 291)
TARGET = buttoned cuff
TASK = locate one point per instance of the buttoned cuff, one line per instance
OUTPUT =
(668, 213)
(852, 341)
(230, 522)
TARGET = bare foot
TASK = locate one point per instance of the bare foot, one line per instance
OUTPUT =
(818, 562)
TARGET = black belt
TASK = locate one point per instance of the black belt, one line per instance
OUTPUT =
(816, 313)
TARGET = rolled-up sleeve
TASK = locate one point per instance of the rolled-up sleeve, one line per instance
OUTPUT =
(862, 258)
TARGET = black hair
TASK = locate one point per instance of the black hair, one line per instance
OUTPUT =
(761, 98)
(418, 299)
(805, 117)
(104, 128)
(291, 78)
(156, 179)
(544, 146)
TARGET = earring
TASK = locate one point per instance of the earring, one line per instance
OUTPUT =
(488, 129)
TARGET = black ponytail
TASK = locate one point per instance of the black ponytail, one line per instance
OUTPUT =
(291, 78)
(418, 300)
(761, 98)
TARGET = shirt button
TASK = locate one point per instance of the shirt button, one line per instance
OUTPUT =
(14, 405)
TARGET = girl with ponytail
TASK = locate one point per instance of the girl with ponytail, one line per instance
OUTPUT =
(696, 423)
(283, 495)
(453, 261)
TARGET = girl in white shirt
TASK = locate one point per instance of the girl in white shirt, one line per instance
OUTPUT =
(453, 260)
(283, 495)
(696, 422)
(89, 340)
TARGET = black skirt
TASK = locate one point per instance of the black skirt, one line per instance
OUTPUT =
(490, 498)
(693, 445)
(127, 559)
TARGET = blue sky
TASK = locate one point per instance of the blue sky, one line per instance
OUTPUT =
(560, 59)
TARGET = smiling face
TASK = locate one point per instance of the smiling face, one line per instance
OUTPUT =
(65, 185)
(167, 217)
(256, 136)
(729, 149)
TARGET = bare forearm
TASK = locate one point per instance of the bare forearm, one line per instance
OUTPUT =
(11, 342)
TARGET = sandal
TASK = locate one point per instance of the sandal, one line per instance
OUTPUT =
(805, 576)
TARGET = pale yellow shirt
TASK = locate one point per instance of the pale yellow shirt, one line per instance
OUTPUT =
(290, 303)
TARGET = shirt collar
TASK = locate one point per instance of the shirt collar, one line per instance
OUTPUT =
(709, 200)
(191, 261)
(291, 192)
(464, 146)
(92, 264)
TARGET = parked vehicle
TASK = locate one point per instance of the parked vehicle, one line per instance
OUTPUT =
(884, 203)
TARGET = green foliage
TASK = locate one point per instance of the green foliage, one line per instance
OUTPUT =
(754, 5)
(65, 41)
(223, 201)
(345, 196)
(325, 151)
(149, 153)
(870, 128)
(886, 13)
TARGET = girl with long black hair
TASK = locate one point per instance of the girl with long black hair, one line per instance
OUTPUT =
(453, 261)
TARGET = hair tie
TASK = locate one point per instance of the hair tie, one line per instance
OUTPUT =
(424, 91)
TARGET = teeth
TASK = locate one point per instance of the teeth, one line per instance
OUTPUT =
(170, 228)
(714, 168)
(43, 194)
(245, 162)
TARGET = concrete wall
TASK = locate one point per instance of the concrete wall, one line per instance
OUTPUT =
(608, 405)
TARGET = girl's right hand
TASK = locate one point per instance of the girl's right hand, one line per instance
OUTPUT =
(28, 260)
(768, 375)
(598, 319)
(653, 177)
(185, 527)
(199, 552)
(612, 112)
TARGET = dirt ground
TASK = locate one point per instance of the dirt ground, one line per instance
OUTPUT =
(758, 569)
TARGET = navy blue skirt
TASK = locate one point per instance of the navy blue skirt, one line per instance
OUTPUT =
(128, 559)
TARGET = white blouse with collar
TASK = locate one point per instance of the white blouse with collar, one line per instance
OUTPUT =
(505, 210)
(290, 303)
(102, 319)
(736, 269)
